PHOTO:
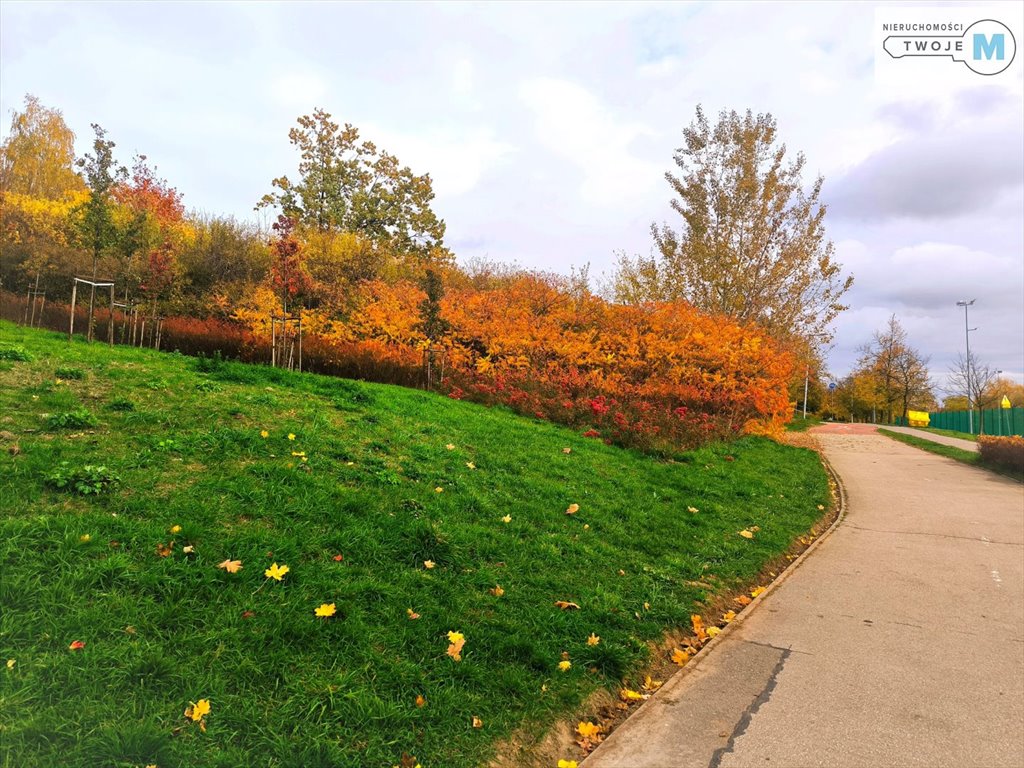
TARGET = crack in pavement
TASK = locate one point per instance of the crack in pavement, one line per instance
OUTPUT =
(744, 722)
(981, 540)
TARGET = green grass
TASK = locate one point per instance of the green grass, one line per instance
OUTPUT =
(173, 445)
(800, 424)
(950, 452)
(950, 433)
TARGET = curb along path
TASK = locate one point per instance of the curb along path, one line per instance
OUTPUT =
(898, 641)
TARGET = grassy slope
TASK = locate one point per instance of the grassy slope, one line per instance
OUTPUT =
(288, 689)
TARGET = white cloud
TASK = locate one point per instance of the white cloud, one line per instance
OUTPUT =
(573, 124)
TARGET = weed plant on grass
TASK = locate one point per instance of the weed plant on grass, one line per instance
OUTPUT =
(358, 489)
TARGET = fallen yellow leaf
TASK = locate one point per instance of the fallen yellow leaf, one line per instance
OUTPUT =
(231, 566)
(743, 600)
(712, 631)
(567, 606)
(175, 529)
(728, 616)
(651, 685)
(456, 642)
(497, 591)
(746, 534)
(698, 626)
(593, 639)
(291, 435)
(627, 695)
(439, 489)
(588, 730)
(756, 591)
(198, 710)
(572, 509)
(264, 434)
(507, 519)
(411, 614)
(568, 764)
(680, 657)
(471, 465)
(85, 538)
(420, 701)
(325, 610)
(276, 572)
(564, 666)
(477, 722)
(429, 564)
(450, 447)
(567, 450)
(11, 663)
(694, 510)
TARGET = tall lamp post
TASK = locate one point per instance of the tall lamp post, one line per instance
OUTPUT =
(967, 338)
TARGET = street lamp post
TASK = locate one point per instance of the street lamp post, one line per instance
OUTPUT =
(967, 338)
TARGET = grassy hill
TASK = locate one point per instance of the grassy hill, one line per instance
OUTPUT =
(114, 462)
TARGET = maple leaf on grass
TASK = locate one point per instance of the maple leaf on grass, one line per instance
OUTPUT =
(231, 566)
(572, 509)
(497, 591)
(456, 642)
(593, 639)
(276, 572)
(564, 666)
(566, 605)
(164, 551)
(420, 701)
(325, 610)
(411, 614)
(76, 645)
(477, 722)
(746, 534)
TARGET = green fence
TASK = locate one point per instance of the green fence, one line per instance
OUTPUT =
(997, 421)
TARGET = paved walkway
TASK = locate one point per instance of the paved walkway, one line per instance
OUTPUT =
(956, 442)
(898, 642)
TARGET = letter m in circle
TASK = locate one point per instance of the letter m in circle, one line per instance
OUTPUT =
(988, 46)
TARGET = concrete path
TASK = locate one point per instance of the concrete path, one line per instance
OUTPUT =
(899, 641)
(956, 442)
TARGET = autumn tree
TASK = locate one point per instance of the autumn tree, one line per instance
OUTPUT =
(149, 216)
(348, 185)
(38, 156)
(1000, 387)
(899, 372)
(288, 274)
(752, 242)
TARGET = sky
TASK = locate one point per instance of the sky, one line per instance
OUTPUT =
(547, 128)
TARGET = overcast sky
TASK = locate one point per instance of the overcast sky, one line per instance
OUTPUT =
(548, 128)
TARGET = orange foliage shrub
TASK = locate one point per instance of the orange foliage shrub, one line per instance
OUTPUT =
(661, 376)
(1006, 452)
